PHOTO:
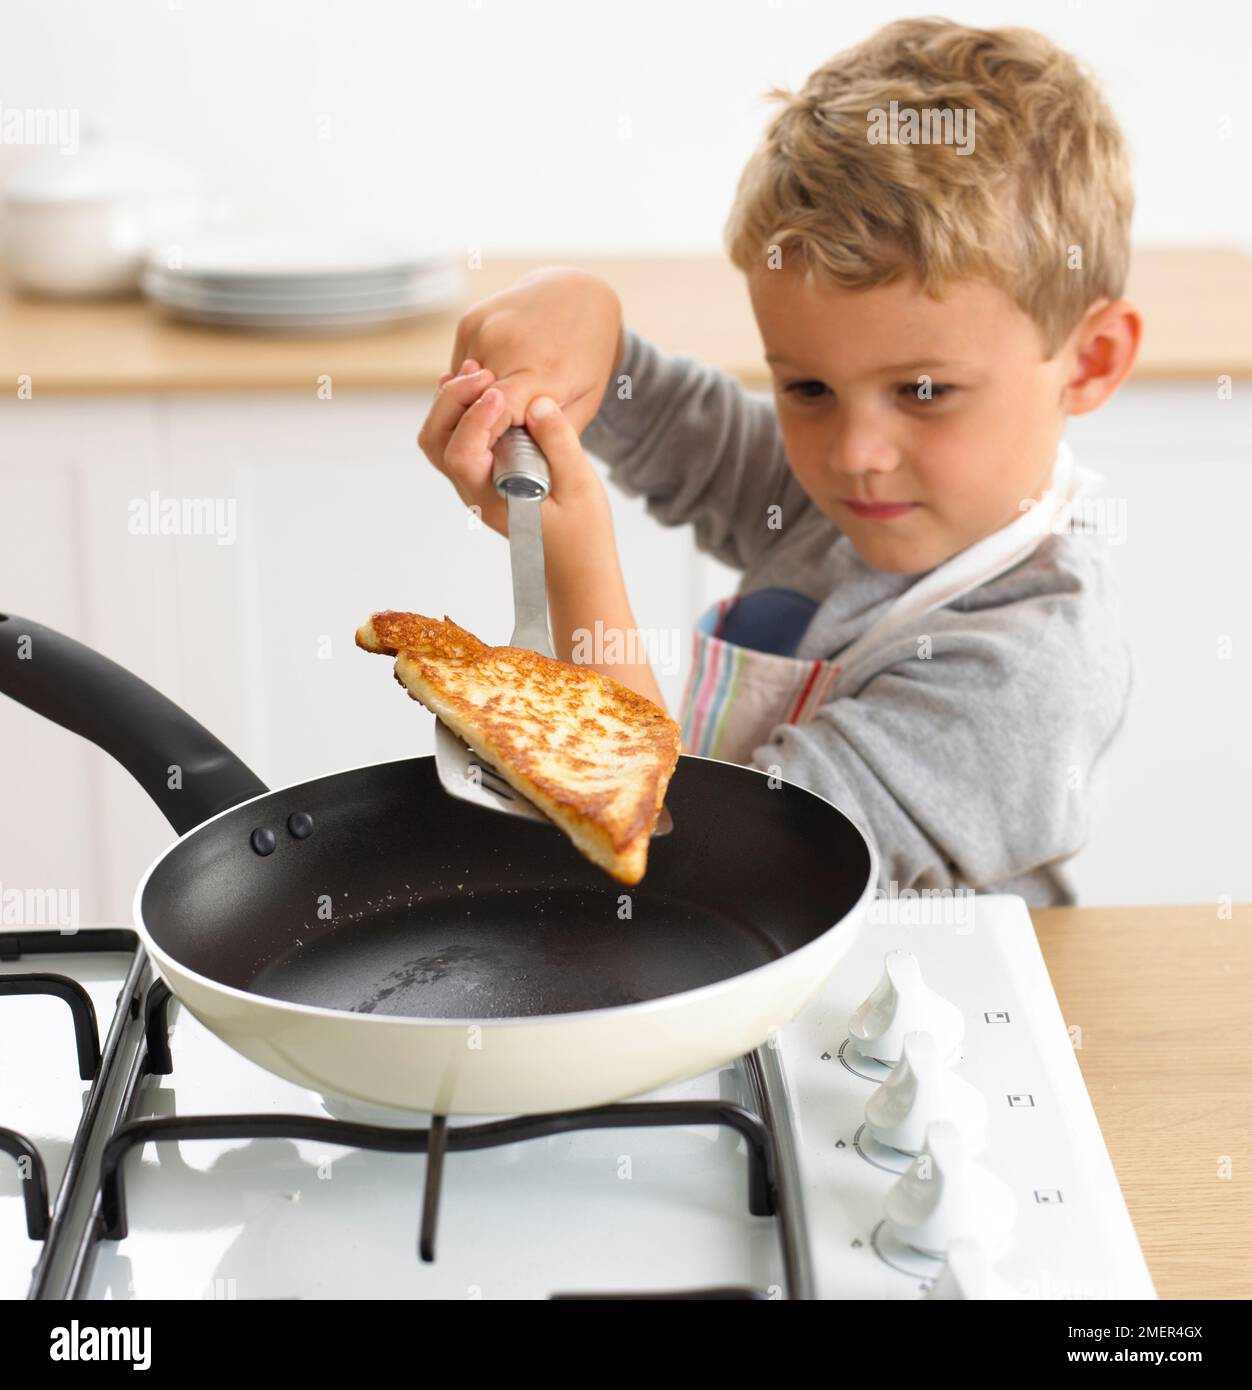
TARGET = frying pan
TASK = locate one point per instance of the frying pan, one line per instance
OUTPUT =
(369, 937)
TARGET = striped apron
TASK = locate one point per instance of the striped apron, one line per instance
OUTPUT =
(736, 696)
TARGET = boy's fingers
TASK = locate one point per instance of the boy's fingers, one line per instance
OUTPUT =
(451, 402)
(465, 369)
(468, 451)
(517, 390)
(557, 438)
(521, 389)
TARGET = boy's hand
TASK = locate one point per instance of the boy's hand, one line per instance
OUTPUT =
(557, 333)
(584, 577)
(469, 414)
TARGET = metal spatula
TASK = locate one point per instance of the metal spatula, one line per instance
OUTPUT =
(520, 475)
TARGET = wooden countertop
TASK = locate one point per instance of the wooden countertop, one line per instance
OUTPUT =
(1162, 995)
(1197, 304)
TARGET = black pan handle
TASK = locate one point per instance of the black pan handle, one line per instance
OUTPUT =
(154, 740)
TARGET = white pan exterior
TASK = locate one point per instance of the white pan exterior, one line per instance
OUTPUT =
(510, 1066)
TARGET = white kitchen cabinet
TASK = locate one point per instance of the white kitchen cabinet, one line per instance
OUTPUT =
(336, 514)
(1176, 824)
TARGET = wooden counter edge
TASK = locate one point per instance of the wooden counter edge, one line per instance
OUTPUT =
(1160, 998)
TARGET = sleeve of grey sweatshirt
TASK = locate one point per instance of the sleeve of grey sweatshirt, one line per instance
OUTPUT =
(973, 767)
(699, 448)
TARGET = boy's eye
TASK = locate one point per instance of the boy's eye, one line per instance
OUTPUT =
(806, 390)
(913, 390)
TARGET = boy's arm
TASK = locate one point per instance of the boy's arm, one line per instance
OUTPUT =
(700, 448)
(582, 569)
(970, 768)
(586, 587)
(584, 577)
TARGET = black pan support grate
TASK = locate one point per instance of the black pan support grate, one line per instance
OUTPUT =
(771, 1183)
(45, 1223)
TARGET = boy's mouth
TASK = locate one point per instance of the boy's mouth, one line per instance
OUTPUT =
(880, 511)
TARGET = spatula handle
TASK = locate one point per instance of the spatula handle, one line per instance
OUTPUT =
(519, 466)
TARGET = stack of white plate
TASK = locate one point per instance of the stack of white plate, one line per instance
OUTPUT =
(299, 283)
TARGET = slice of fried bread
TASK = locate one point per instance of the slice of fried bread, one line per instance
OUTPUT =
(593, 755)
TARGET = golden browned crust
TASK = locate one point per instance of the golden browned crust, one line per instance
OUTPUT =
(592, 754)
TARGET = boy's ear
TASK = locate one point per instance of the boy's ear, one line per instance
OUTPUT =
(1101, 351)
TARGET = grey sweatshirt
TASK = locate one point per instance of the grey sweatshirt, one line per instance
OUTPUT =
(971, 769)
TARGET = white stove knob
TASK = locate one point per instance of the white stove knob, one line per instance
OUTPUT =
(968, 1274)
(919, 1091)
(903, 1003)
(945, 1195)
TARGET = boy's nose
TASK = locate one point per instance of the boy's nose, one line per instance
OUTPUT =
(855, 455)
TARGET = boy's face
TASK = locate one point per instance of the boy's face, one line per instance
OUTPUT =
(846, 366)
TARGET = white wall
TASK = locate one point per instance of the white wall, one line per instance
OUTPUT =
(573, 124)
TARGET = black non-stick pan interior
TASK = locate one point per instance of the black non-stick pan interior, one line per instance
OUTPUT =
(403, 900)
(376, 892)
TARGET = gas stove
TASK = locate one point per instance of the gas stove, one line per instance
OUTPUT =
(921, 1130)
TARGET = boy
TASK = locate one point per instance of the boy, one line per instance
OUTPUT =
(925, 633)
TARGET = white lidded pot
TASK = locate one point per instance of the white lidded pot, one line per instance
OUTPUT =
(81, 223)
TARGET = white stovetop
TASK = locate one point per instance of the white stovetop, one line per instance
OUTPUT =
(614, 1210)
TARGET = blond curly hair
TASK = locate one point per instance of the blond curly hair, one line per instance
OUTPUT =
(1040, 205)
